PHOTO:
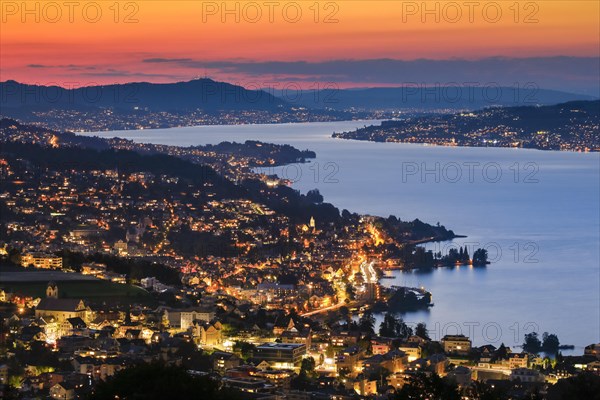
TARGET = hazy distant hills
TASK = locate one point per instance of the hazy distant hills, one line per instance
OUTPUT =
(204, 94)
(145, 105)
(212, 96)
(419, 98)
(566, 126)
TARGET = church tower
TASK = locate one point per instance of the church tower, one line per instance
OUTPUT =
(52, 291)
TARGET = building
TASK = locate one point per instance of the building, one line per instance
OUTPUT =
(297, 336)
(223, 361)
(188, 317)
(526, 375)
(343, 339)
(365, 387)
(284, 324)
(62, 391)
(3, 374)
(438, 363)
(52, 290)
(248, 385)
(207, 333)
(393, 361)
(399, 379)
(461, 375)
(372, 291)
(592, 350)
(4, 296)
(276, 290)
(459, 345)
(93, 269)
(281, 355)
(61, 309)
(97, 368)
(114, 277)
(120, 248)
(349, 360)
(184, 319)
(41, 260)
(381, 345)
(148, 282)
(412, 350)
(518, 360)
(278, 377)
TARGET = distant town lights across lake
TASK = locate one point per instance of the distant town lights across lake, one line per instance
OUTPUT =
(535, 211)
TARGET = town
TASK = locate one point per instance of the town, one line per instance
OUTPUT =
(157, 261)
(571, 126)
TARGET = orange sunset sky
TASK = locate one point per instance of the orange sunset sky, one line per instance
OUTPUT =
(164, 41)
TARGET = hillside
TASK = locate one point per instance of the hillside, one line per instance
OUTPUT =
(566, 126)
(204, 94)
(418, 98)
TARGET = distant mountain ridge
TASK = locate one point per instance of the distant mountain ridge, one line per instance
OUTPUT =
(204, 94)
(143, 105)
(451, 97)
(212, 96)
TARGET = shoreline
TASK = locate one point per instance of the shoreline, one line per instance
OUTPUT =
(425, 144)
(435, 240)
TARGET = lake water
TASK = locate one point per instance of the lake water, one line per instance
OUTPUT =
(536, 212)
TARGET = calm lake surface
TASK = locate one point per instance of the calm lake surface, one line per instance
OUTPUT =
(536, 212)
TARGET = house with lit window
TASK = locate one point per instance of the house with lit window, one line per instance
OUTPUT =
(41, 260)
(60, 310)
(518, 360)
(281, 355)
(458, 345)
(207, 333)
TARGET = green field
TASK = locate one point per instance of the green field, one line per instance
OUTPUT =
(93, 291)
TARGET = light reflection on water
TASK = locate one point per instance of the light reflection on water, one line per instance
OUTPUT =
(541, 218)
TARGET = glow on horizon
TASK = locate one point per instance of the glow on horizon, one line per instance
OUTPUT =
(111, 50)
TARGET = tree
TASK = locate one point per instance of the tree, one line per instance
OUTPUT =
(186, 349)
(482, 391)
(532, 343)
(344, 313)
(404, 331)
(366, 323)
(432, 387)
(432, 347)
(244, 349)
(550, 342)
(157, 382)
(350, 291)
(314, 196)
(366, 345)
(585, 385)
(480, 257)
(11, 393)
(394, 327)
(421, 331)
(307, 367)
(501, 353)
(380, 375)
(388, 327)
